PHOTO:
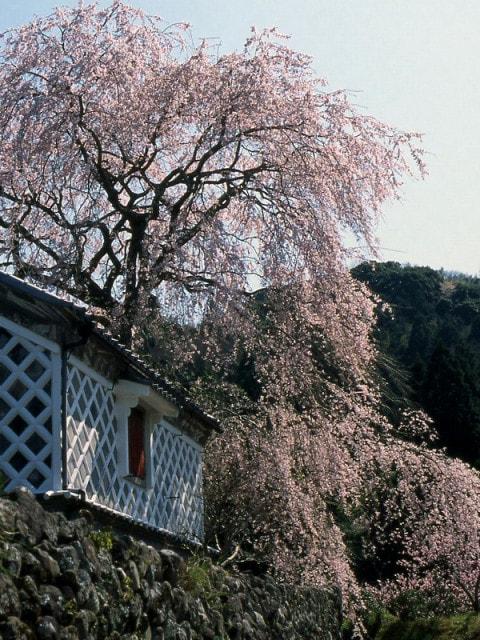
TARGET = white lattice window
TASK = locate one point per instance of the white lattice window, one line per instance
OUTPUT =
(30, 409)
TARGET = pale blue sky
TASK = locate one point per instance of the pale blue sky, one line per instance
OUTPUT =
(412, 63)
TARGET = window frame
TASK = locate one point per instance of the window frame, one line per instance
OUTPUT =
(130, 395)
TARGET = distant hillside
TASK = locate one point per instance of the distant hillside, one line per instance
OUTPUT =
(429, 341)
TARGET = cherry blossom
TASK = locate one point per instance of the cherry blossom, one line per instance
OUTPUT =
(165, 186)
(139, 171)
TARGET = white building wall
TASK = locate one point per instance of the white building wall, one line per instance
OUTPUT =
(30, 409)
(171, 500)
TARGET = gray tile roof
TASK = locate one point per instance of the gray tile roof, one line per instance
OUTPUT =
(75, 312)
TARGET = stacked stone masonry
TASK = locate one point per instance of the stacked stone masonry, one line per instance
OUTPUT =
(66, 578)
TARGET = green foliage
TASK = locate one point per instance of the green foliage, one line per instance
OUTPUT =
(373, 559)
(413, 618)
(450, 393)
(347, 629)
(413, 605)
(375, 619)
(70, 608)
(102, 539)
(429, 342)
(464, 627)
(195, 577)
(198, 578)
(127, 588)
(354, 530)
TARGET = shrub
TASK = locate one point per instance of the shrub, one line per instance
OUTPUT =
(102, 539)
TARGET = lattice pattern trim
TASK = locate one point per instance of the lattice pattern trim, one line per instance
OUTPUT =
(29, 410)
(177, 462)
(174, 503)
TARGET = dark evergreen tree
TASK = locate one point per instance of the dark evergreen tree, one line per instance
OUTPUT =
(451, 395)
(429, 342)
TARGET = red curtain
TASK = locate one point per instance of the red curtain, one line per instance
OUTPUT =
(136, 443)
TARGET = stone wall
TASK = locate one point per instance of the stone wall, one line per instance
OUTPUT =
(64, 577)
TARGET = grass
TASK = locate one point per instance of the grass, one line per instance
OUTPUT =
(195, 577)
(198, 578)
(460, 627)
